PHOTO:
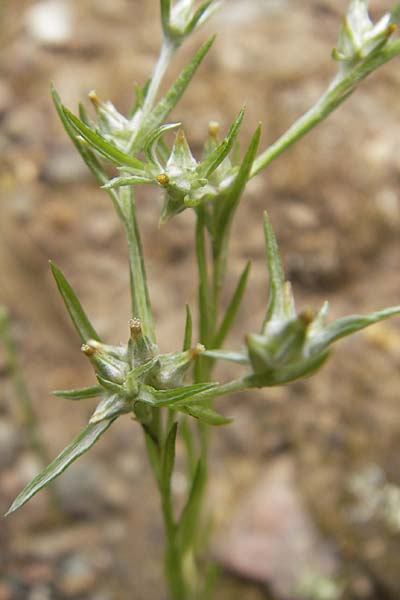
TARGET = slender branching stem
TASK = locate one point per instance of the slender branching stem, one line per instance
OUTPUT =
(342, 86)
(167, 51)
(141, 305)
(136, 378)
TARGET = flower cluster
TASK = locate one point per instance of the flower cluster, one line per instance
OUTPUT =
(179, 19)
(359, 37)
(134, 378)
(185, 181)
(292, 345)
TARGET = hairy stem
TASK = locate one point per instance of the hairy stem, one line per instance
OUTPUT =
(141, 306)
(167, 51)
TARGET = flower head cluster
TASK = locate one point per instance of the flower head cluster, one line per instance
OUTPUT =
(292, 345)
(359, 37)
(179, 19)
(134, 378)
(131, 376)
(111, 124)
(185, 181)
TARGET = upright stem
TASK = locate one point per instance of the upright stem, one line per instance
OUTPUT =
(173, 562)
(141, 306)
(177, 585)
(205, 310)
(167, 51)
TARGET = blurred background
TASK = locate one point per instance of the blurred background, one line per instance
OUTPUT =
(304, 483)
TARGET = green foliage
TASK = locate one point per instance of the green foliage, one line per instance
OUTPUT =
(79, 394)
(79, 445)
(170, 395)
(78, 316)
(233, 308)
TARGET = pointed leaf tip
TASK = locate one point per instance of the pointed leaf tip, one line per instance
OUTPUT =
(78, 316)
(233, 308)
(218, 155)
(275, 270)
(80, 393)
(172, 96)
(79, 445)
(348, 325)
(187, 339)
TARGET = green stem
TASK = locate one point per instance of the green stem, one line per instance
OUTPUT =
(218, 269)
(204, 300)
(342, 86)
(141, 306)
(167, 51)
(231, 387)
(173, 564)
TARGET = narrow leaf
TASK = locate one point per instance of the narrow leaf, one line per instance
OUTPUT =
(200, 15)
(189, 521)
(165, 8)
(83, 149)
(236, 357)
(205, 414)
(111, 386)
(80, 393)
(216, 157)
(187, 438)
(121, 181)
(172, 97)
(79, 445)
(150, 146)
(78, 316)
(228, 207)
(153, 454)
(168, 460)
(140, 97)
(99, 143)
(348, 325)
(142, 370)
(233, 308)
(276, 296)
(110, 407)
(169, 397)
(84, 117)
(187, 340)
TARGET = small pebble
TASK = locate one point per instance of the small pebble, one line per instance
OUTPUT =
(50, 22)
